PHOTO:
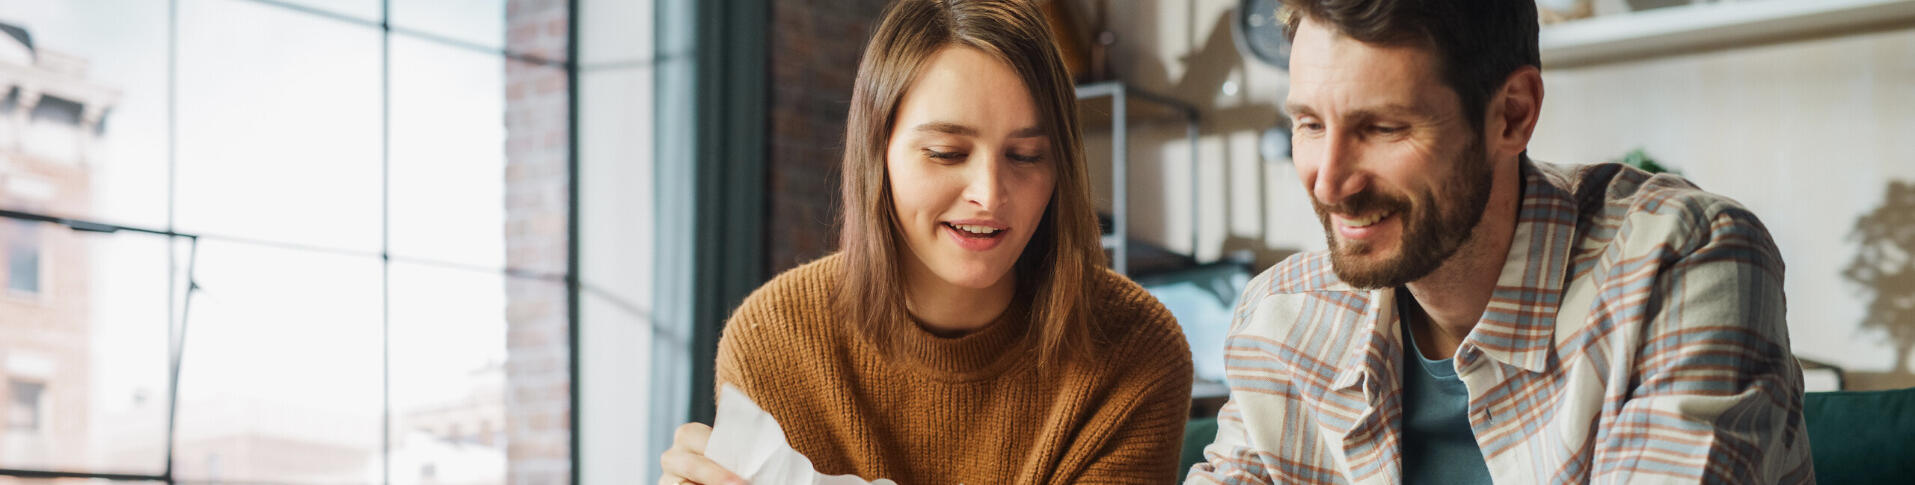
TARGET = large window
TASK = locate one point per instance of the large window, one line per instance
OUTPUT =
(350, 221)
(23, 258)
(23, 407)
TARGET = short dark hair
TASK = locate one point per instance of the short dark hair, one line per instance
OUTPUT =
(1477, 42)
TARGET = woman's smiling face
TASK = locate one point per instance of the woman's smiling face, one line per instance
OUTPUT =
(970, 169)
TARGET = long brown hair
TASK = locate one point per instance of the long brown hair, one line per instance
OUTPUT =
(1057, 268)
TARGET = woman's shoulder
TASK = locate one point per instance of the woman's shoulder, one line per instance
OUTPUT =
(1144, 346)
(1131, 316)
(779, 324)
(795, 297)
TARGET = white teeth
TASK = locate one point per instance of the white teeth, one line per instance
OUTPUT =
(1365, 221)
(975, 229)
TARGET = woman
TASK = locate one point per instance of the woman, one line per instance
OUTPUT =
(966, 332)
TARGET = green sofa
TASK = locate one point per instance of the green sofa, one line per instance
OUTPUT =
(1857, 437)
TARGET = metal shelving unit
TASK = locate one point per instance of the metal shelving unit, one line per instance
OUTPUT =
(1120, 95)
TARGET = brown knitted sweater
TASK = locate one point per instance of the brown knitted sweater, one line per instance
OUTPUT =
(966, 409)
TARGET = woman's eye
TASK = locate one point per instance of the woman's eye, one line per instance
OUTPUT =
(942, 155)
(1022, 158)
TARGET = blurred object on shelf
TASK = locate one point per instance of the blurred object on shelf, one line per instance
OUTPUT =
(1258, 32)
(1555, 11)
(1640, 159)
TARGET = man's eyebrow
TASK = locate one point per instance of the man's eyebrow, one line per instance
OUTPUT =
(1405, 110)
(1297, 109)
(962, 130)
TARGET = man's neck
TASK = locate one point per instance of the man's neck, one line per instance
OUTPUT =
(1449, 301)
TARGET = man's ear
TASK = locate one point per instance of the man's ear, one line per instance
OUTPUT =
(1512, 113)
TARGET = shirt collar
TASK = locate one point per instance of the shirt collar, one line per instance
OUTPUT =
(1519, 324)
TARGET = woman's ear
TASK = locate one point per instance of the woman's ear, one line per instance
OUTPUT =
(1513, 112)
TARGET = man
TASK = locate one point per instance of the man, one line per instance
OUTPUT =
(1481, 317)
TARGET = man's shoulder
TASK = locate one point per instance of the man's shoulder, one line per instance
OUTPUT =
(1641, 211)
(1301, 293)
(1277, 298)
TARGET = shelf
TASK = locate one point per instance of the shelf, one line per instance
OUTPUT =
(1670, 30)
(1096, 107)
(1119, 103)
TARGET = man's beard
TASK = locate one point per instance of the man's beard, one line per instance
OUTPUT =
(1431, 231)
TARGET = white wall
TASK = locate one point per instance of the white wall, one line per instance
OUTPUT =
(1807, 133)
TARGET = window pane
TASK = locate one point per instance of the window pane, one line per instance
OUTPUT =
(279, 126)
(615, 133)
(23, 259)
(616, 242)
(358, 9)
(615, 340)
(83, 361)
(83, 110)
(615, 123)
(477, 22)
(282, 376)
(614, 32)
(461, 341)
(479, 159)
(25, 407)
(448, 154)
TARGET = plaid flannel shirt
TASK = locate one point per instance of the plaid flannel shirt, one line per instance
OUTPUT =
(1635, 335)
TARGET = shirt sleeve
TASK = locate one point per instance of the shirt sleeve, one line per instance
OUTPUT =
(1716, 395)
(1230, 458)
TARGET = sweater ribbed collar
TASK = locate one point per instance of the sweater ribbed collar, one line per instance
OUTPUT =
(981, 354)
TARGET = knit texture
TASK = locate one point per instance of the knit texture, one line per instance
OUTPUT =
(972, 409)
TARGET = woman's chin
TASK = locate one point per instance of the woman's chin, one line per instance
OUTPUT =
(975, 277)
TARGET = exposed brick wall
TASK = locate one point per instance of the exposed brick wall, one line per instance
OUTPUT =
(814, 52)
(538, 380)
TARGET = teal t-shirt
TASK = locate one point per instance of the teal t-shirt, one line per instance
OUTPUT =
(1438, 446)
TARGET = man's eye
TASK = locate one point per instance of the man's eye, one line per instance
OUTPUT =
(1309, 126)
(1387, 129)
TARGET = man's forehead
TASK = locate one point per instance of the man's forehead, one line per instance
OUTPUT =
(1324, 62)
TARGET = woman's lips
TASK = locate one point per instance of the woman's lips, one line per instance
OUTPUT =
(974, 237)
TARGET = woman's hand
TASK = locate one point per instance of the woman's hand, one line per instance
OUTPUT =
(686, 462)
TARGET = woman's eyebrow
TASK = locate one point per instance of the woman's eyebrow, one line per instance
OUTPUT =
(947, 128)
(950, 128)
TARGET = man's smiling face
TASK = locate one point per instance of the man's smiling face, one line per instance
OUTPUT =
(1396, 172)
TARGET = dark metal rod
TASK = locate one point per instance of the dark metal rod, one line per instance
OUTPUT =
(572, 228)
(13, 472)
(177, 354)
(85, 225)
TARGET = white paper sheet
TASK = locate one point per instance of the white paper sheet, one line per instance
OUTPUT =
(747, 440)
